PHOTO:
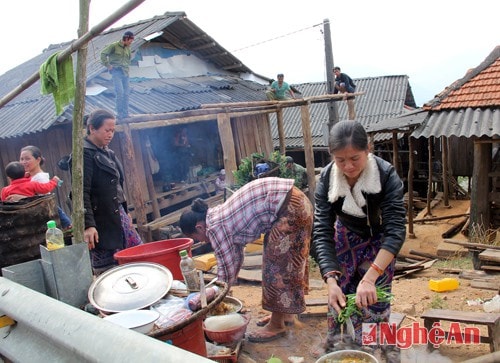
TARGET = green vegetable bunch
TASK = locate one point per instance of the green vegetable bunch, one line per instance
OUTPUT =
(383, 295)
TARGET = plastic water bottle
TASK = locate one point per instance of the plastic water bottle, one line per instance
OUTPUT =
(189, 272)
(54, 236)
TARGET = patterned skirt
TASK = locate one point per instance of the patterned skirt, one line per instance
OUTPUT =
(102, 259)
(355, 254)
(285, 256)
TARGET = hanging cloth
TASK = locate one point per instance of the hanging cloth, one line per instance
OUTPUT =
(58, 79)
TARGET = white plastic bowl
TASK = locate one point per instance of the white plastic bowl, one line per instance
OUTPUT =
(141, 321)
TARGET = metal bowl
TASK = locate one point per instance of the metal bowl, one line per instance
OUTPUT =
(355, 355)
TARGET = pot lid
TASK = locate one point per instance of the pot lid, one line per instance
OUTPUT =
(130, 286)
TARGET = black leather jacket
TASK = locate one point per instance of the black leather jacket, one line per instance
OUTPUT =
(385, 213)
(102, 176)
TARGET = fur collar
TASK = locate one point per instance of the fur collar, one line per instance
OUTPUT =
(354, 200)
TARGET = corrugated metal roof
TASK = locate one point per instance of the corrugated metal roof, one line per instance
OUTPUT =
(468, 122)
(31, 112)
(467, 108)
(385, 97)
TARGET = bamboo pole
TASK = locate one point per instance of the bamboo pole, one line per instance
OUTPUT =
(281, 131)
(308, 151)
(74, 46)
(284, 103)
(444, 162)
(78, 210)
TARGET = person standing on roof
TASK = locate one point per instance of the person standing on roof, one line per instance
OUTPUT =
(280, 90)
(345, 84)
(116, 57)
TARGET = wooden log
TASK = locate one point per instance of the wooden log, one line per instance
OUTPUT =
(455, 228)
(465, 228)
(430, 219)
(477, 246)
(488, 285)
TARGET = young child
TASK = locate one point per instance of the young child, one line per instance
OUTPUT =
(20, 185)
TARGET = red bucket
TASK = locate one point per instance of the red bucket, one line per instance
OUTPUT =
(190, 338)
(164, 252)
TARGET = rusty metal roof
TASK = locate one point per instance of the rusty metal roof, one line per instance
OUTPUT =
(469, 107)
(31, 112)
(480, 87)
(385, 97)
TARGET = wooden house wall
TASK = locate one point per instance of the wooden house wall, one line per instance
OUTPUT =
(252, 134)
(461, 156)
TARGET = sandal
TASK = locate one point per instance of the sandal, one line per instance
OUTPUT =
(256, 337)
(266, 319)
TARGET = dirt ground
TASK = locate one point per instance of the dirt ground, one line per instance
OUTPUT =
(412, 297)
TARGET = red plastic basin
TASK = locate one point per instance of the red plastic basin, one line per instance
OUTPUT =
(165, 252)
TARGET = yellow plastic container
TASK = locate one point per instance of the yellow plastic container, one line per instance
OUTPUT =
(446, 284)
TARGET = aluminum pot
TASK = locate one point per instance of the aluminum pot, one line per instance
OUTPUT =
(130, 286)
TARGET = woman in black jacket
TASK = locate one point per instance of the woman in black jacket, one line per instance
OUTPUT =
(359, 227)
(108, 227)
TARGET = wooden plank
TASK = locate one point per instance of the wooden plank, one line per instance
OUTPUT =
(493, 285)
(461, 316)
(251, 262)
(250, 275)
(319, 301)
(472, 274)
(490, 268)
(490, 255)
(480, 246)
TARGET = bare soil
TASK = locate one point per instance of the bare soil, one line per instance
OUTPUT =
(412, 297)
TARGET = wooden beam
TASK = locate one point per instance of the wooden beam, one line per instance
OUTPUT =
(132, 179)
(480, 246)
(308, 151)
(228, 147)
(411, 170)
(444, 162)
(480, 205)
(149, 179)
(440, 218)
(281, 130)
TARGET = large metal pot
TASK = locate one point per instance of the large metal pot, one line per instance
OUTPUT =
(130, 286)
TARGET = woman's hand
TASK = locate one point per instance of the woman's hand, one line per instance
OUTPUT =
(91, 237)
(366, 293)
(336, 298)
